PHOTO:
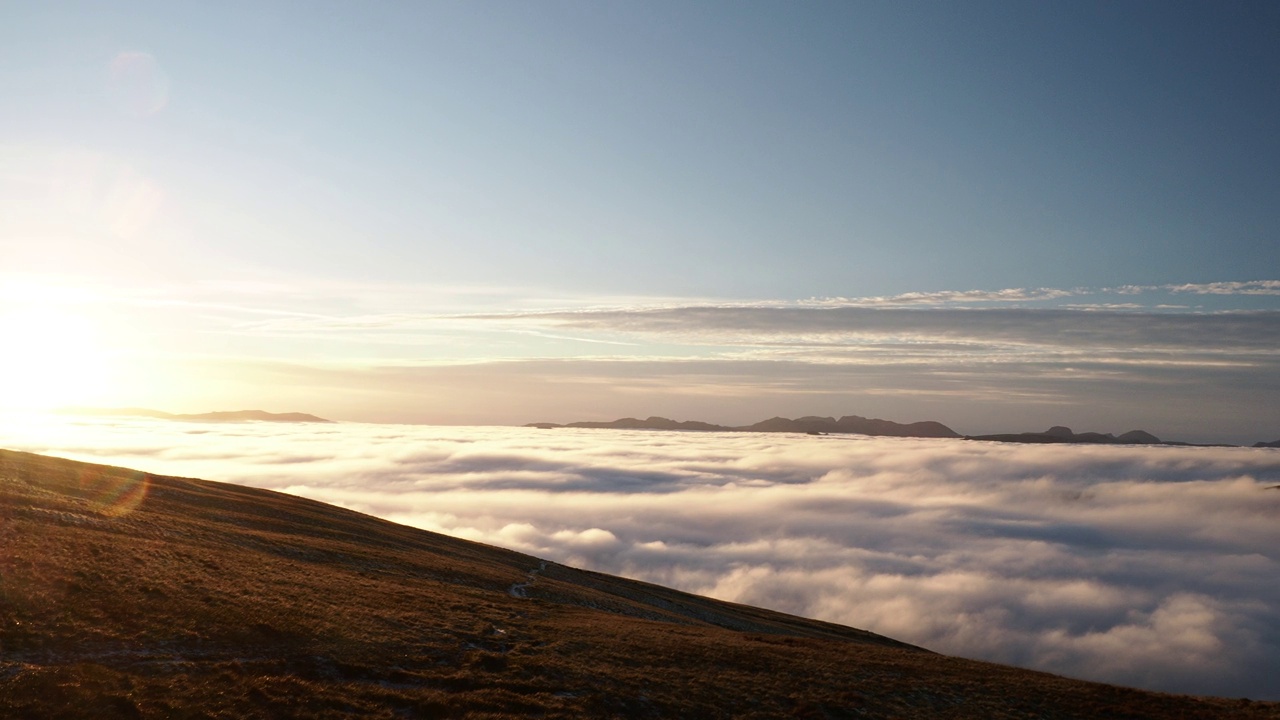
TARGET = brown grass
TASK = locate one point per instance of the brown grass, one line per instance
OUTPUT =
(125, 595)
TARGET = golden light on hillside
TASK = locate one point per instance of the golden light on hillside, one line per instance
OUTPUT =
(50, 353)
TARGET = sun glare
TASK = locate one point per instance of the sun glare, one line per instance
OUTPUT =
(50, 354)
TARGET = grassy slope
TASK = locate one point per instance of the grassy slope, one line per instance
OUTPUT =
(201, 599)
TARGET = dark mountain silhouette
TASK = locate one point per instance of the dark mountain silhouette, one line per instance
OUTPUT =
(849, 424)
(1275, 444)
(1060, 434)
(220, 416)
(1138, 437)
(129, 595)
(653, 423)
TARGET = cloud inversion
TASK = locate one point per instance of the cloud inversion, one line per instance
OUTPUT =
(1147, 566)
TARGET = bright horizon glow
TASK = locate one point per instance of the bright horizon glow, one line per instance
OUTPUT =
(52, 355)
(1186, 362)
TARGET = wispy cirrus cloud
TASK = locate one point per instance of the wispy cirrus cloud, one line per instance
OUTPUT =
(1182, 375)
(1147, 566)
(1251, 287)
(304, 309)
(948, 297)
(1009, 326)
(985, 361)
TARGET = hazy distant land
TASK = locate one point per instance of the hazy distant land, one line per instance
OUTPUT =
(849, 424)
(219, 416)
(857, 425)
(1060, 434)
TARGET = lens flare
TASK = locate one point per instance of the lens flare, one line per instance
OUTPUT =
(137, 84)
(114, 493)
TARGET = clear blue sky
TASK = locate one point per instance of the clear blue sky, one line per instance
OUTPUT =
(375, 160)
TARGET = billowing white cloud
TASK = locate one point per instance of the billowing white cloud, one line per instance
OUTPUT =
(1150, 566)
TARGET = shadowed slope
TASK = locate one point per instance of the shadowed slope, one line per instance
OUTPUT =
(124, 594)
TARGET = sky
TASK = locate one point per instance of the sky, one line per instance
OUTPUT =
(1144, 566)
(998, 215)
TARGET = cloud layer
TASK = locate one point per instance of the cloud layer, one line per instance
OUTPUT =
(1144, 566)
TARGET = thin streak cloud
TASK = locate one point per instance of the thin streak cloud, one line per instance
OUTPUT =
(1011, 326)
(1252, 287)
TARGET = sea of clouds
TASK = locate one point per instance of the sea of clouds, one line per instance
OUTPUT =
(1157, 567)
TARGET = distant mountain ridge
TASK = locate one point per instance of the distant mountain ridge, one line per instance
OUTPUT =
(219, 416)
(847, 425)
(1061, 434)
(857, 425)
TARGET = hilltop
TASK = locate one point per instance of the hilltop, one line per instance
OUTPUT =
(130, 595)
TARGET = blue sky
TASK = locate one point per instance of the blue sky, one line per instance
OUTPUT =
(184, 184)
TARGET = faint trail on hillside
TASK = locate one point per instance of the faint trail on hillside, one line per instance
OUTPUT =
(520, 590)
